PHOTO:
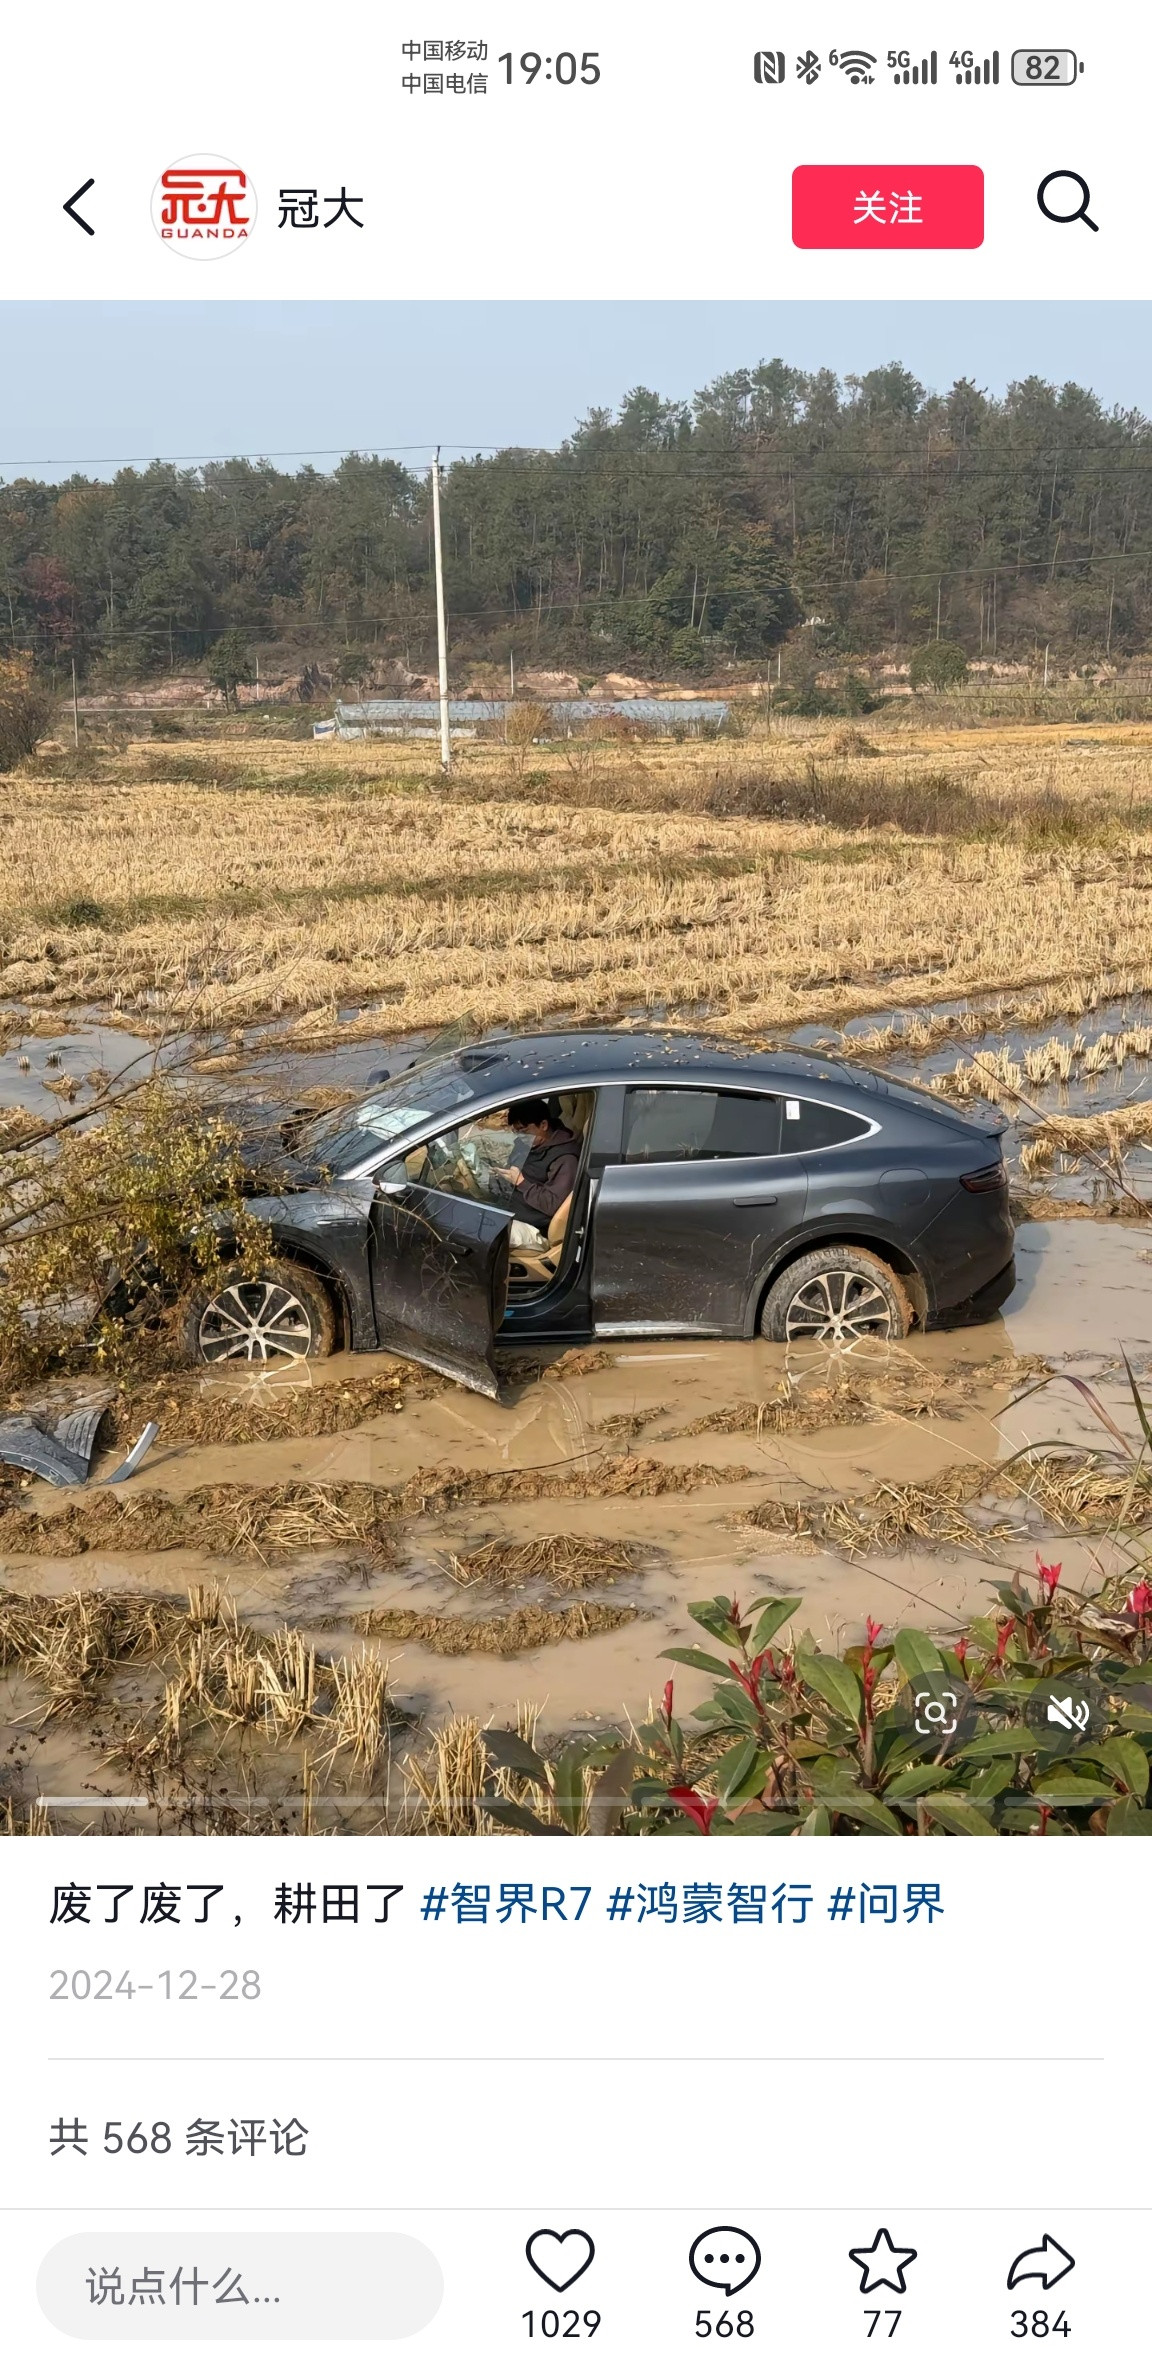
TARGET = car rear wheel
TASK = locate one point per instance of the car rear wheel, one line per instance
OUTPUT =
(837, 1295)
(273, 1312)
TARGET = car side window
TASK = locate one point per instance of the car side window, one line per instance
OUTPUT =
(461, 1159)
(807, 1125)
(690, 1125)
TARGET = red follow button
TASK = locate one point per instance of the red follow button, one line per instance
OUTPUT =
(887, 206)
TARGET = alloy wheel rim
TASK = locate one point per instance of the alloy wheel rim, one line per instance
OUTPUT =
(838, 1307)
(254, 1320)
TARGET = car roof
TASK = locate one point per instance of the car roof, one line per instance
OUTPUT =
(628, 1055)
(620, 1055)
(512, 1064)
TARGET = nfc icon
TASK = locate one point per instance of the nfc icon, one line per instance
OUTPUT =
(768, 66)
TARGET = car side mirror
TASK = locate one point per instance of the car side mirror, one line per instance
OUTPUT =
(392, 1175)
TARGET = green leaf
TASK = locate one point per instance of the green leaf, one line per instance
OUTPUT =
(1060, 1787)
(1127, 1818)
(520, 1819)
(916, 1780)
(568, 1788)
(757, 1820)
(960, 1816)
(510, 1750)
(1014, 1741)
(713, 1616)
(862, 1808)
(773, 1615)
(831, 1774)
(995, 1778)
(833, 1682)
(1123, 1757)
(699, 1658)
(915, 1654)
(818, 1824)
(877, 1658)
(607, 1804)
(1141, 1413)
(735, 1706)
(742, 1773)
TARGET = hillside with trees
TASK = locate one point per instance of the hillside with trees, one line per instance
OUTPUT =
(680, 537)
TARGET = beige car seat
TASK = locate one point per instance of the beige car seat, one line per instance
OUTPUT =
(543, 1265)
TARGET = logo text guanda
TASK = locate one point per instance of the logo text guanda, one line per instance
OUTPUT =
(204, 206)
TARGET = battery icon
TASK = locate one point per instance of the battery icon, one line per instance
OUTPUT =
(1046, 69)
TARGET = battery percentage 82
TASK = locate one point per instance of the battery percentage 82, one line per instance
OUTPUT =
(1046, 70)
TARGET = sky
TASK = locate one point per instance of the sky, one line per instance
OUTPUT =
(90, 385)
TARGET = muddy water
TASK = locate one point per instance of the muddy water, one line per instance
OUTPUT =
(1085, 1290)
(33, 1065)
(35, 1062)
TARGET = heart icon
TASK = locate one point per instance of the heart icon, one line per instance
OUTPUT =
(560, 2259)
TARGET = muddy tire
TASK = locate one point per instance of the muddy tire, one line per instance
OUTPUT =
(272, 1312)
(836, 1295)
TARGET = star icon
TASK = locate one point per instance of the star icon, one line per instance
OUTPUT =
(882, 2263)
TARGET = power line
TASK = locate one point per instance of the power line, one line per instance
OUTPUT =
(525, 458)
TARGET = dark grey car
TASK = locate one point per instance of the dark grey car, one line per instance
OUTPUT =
(718, 1193)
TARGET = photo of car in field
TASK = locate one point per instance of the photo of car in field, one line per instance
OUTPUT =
(574, 1250)
(716, 1193)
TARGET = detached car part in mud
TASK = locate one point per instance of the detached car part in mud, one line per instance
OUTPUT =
(60, 1449)
(717, 1192)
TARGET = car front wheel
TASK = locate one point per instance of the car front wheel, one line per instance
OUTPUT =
(271, 1312)
(836, 1295)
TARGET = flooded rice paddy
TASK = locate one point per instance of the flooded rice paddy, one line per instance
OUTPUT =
(544, 1550)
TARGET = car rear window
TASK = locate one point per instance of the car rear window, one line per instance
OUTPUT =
(682, 1125)
(807, 1125)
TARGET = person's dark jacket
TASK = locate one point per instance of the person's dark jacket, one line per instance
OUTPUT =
(549, 1175)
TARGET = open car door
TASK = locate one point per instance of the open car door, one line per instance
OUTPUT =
(439, 1276)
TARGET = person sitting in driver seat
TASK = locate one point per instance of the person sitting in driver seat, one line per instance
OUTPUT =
(547, 1175)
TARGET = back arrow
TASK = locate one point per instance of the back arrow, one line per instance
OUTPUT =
(70, 205)
(1047, 2261)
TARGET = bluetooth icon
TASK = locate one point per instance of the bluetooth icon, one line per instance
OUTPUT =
(808, 67)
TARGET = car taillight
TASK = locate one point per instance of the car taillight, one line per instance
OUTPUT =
(982, 1183)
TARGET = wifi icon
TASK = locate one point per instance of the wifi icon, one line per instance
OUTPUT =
(856, 64)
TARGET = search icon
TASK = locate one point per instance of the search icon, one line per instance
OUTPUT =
(1079, 214)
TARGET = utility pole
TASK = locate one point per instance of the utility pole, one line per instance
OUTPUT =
(75, 707)
(441, 623)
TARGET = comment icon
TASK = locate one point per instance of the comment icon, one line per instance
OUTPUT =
(726, 2257)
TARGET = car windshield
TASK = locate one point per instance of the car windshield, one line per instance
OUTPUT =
(352, 1136)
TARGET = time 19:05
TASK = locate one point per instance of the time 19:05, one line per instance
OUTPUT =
(564, 68)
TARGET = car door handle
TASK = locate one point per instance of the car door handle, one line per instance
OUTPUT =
(754, 1200)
